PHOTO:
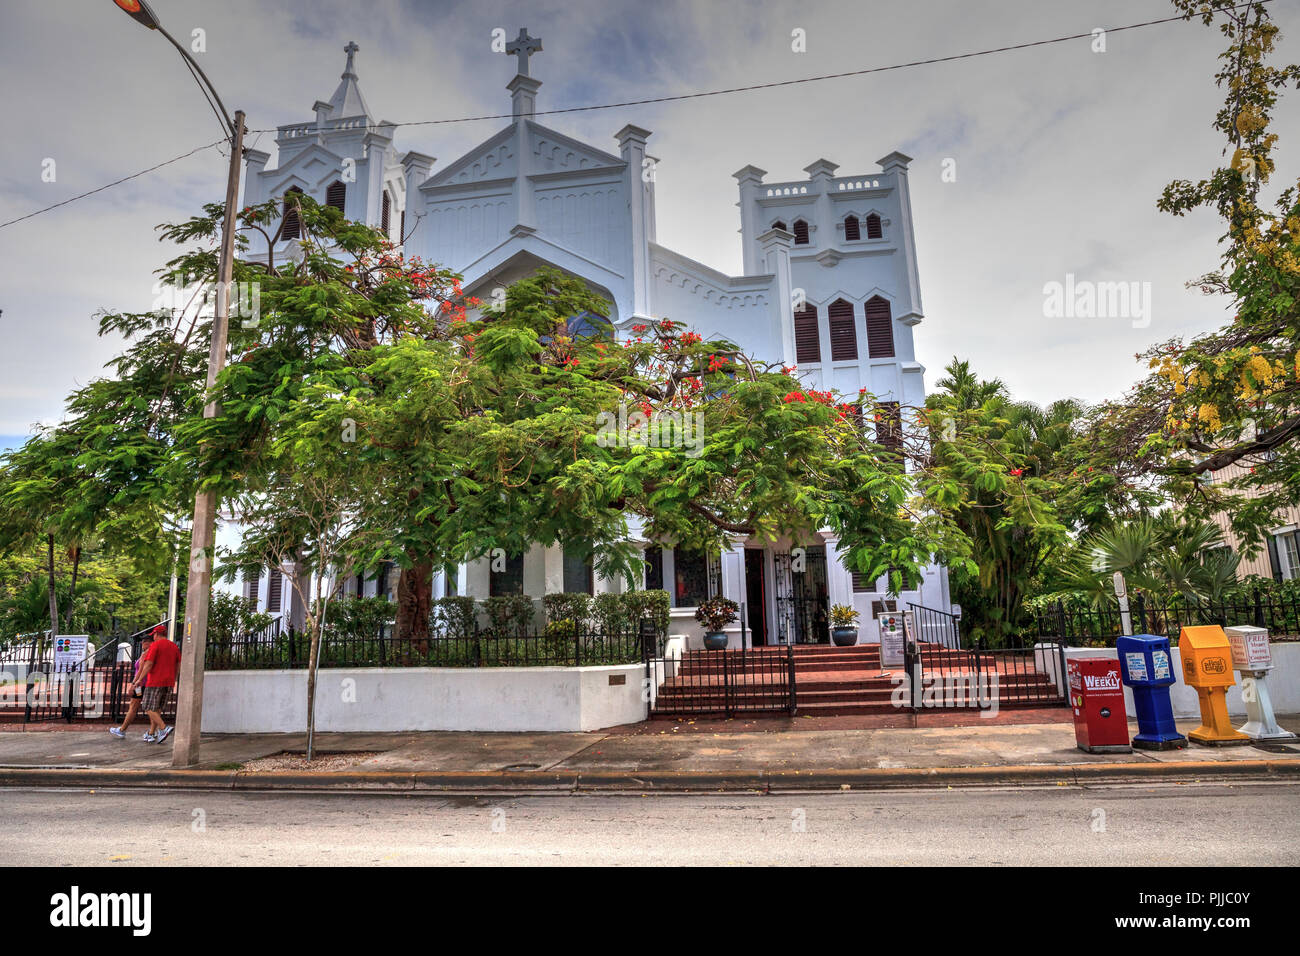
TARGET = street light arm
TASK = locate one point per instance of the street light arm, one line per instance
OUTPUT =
(226, 122)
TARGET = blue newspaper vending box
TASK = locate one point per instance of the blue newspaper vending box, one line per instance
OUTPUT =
(1145, 666)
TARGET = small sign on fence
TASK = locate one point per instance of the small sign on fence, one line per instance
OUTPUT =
(70, 651)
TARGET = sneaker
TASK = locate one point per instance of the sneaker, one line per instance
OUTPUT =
(147, 737)
(117, 732)
(162, 734)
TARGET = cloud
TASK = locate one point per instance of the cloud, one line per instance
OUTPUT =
(1061, 152)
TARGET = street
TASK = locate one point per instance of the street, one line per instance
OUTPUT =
(1256, 823)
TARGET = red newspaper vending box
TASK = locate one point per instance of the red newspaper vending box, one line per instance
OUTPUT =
(1097, 699)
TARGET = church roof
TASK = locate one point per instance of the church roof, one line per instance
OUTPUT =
(347, 99)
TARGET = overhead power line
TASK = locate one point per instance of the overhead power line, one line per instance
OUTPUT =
(116, 182)
(670, 99)
(807, 79)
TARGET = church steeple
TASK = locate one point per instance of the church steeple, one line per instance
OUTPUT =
(523, 88)
(347, 99)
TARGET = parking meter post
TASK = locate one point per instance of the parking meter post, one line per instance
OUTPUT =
(1145, 667)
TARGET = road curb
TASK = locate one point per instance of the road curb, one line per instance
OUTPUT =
(678, 781)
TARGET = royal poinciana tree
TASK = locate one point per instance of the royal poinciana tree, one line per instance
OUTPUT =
(1232, 396)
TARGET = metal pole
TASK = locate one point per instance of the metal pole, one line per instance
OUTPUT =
(189, 705)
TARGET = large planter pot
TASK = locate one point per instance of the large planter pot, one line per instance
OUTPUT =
(715, 640)
(844, 636)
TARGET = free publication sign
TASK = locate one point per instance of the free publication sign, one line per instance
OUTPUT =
(70, 651)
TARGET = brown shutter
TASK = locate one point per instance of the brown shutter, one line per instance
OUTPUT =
(873, 227)
(800, 232)
(291, 226)
(274, 589)
(251, 585)
(807, 343)
(880, 329)
(401, 227)
(844, 337)
(336, 195)
(385, 213)
(852, 232)
(889, 427)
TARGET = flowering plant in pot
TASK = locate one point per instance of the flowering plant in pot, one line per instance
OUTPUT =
(715, 614)
(844, 625)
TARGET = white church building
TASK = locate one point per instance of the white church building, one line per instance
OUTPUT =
(830, 286)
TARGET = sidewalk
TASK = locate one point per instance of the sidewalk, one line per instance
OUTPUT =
(658, 755)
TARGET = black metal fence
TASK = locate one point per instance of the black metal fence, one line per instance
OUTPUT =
(948, 670)
(1094, 626)
(726, 682)
(275, 649)
(43, 692)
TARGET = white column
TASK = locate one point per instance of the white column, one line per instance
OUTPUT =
(750, 180)
(631, 145)
(776, 245)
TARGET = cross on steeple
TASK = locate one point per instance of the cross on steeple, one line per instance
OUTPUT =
(524, 46)
(351, 50)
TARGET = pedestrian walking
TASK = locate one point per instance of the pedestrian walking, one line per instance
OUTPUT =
(158, 667)
(134, 690)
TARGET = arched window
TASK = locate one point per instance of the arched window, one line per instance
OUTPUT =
(807, 343)
(800, 232)
(844, 337)
(880, 328)
(291, 224)
(386, 213)
(873, 226)
(336, 195)
(588, 324)
(852, 232)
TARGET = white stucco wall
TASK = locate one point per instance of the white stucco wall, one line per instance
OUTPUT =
(1283, 682)
(420, 698)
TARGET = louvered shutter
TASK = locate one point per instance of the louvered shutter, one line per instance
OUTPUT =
(800, 232)
(778, 225)
(889, 429)
(844, 337)
(852, 232)
(336, 195)
(273, 590)
(291, 227)
(873, 227)
(880, 329)
(385, 213)
(807, 343)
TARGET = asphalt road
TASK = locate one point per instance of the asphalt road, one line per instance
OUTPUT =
(1256, 824)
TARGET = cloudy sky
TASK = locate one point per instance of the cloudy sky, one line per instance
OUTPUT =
(1060, 152)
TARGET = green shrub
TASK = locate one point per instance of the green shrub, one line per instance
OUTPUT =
(574, 606)
(510, 615)
(648, 604)
(454, 616)
(609, 614)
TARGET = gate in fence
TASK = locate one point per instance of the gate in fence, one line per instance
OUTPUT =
(727, 682)
(948, 670)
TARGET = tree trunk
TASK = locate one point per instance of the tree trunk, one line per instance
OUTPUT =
(72, 597)
(414, 603)
(54, 600)
(317, 622)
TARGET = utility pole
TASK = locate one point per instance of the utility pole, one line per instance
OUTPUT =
(189, 701)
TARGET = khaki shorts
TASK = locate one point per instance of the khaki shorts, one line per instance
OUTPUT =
(155, 699)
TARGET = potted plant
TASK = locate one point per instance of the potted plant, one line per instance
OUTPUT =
(844, 625)
(715, 614)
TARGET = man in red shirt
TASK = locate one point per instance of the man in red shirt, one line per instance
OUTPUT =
(158, 673)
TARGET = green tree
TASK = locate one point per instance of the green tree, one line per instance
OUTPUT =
(1230, 396)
